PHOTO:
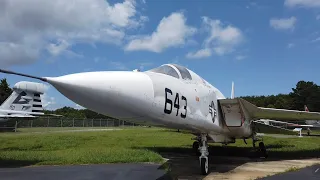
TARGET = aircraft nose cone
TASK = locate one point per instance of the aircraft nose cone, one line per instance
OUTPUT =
(117, 94)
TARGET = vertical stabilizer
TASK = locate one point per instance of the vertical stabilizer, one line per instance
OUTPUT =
(232, 91)
(25, 97)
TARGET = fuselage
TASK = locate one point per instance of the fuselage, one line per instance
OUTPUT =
(170, 96)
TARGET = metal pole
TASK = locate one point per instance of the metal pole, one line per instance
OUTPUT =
(72, 122)
(15, 126)
(100, 122)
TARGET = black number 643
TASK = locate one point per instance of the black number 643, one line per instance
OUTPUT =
(176, 103)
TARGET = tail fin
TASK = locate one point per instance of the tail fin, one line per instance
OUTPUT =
(306, 108)
(25, 97)
(232, 91)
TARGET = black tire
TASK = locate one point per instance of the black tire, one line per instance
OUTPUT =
(263, 150)
(204, 166)
(195, 147)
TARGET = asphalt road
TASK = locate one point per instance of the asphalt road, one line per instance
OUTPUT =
(85, 172)
(122, 171)
(309, 173)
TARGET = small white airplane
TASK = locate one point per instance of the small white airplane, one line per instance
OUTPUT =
(172, 96)
(306, 124)
(24, 102)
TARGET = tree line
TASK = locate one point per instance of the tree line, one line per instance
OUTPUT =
(305, 93)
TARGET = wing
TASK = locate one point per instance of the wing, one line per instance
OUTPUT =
(252, 112)
(17, 116)
(54, 115)
(261, 127)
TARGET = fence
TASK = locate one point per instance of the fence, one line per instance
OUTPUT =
(63, 122)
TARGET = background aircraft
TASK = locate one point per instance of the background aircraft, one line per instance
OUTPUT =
(306, 124)
(172, 96)
(24, 102)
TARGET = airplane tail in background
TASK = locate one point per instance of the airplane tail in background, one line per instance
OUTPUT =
(232, 91)
(25, 97)
(306, 108)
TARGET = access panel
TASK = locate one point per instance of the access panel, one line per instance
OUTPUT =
(232, 113)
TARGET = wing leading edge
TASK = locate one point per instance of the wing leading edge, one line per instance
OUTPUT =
(255, 113)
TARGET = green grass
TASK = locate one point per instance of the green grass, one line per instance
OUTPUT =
(52, 129)
(127, 145)
(87, 147)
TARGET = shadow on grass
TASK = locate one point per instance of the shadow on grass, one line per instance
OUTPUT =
(183, 162)
(10, 163)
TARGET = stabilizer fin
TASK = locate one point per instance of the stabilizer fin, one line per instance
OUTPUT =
(232, 91)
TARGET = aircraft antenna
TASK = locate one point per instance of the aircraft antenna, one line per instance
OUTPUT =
(25, 75)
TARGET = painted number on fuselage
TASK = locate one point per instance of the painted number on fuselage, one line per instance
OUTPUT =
(176, 103)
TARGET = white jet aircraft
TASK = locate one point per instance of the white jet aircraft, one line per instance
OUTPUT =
(171, 96)
(24, 102)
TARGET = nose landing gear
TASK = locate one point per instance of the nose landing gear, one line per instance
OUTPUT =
(200, 146)
(204, 160)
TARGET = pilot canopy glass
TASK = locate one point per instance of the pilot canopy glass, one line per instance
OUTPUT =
(168, 70)
(165, 69)
(185, 74)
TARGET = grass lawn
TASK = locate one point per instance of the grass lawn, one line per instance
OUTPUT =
(52, 129)
(128, 145)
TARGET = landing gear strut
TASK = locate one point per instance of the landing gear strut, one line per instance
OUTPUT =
(204, 164)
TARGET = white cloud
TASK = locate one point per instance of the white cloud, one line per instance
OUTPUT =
(29, 27)
(118, 65)
(48, 102)
(77, 106)
(302, 3)
(172, 31)
(290, 45)
(240, 57)
(315, 40)
(284, 23)
(222, 39)
(58, 48)
(202, 53)
(16, 53)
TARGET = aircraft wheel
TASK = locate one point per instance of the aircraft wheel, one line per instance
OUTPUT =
(263, 150)
(195, 147)
(204, 165)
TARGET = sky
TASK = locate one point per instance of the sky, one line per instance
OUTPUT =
(264, 46)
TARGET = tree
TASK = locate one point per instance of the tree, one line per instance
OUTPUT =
(306, 93)
(5, 90)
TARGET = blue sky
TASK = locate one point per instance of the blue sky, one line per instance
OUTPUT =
(264, 46)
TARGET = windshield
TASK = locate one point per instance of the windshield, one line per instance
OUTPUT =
(165, 69)
(185, 74)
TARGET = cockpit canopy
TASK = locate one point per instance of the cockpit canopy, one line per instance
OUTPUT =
(173, 70)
